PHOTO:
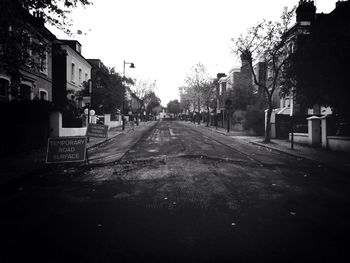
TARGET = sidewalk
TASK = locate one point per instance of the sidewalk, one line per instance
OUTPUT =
(15, 166)
(337, 160)
(111, 134)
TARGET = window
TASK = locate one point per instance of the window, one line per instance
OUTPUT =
(287, 102)
(44, 63)
(223, 86)
(27, 49)
(25, 92)
(72, 77)
(4, 85)
(291, 47)
(86, 77)
(305, 23)
(43, 95)
(78, 48)
(80, 76)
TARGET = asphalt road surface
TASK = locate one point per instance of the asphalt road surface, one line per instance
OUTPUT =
(174, 192)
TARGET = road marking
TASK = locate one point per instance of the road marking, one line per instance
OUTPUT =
(171, 132)
(153, 150)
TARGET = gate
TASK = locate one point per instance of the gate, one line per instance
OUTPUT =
(284, 122)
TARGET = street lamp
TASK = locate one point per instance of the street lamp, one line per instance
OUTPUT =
(127, 63)
(131, 66)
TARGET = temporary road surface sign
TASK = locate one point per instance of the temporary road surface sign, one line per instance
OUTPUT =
(66, 149)
(97, 130)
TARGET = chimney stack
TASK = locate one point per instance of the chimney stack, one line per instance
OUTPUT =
(341, 3)
(306, 11)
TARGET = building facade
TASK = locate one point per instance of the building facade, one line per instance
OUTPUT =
(36, 73)
(72, 71)
(307, 20)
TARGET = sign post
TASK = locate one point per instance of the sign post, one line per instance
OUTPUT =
(66, 149)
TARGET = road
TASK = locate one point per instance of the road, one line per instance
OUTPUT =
(174, 192)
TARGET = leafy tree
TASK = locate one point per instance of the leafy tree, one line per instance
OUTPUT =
(151, 102)
(108, 89)
(156, 110)
(264, 41)
(19, 22)
(241, 97)
(174, 106)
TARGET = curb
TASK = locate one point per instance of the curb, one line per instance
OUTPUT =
(101, 142)
(108, 139)
(272, 148)
(324, 164)
(340, 168)
(212, 128)
(283, 151)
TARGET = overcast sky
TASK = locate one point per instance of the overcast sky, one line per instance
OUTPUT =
(165, 38)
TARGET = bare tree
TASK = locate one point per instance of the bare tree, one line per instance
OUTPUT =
(142, 89)
(196, 80)
(265, 42)
(208, 94)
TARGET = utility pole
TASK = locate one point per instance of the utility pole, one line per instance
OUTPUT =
(131, 66)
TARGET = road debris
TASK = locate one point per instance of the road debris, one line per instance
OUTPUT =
(292, 213)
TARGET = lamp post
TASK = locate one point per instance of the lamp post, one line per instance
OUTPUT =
(127, 63)
(88, 104)
(228, 105)
(131, 66)
(292, 120)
